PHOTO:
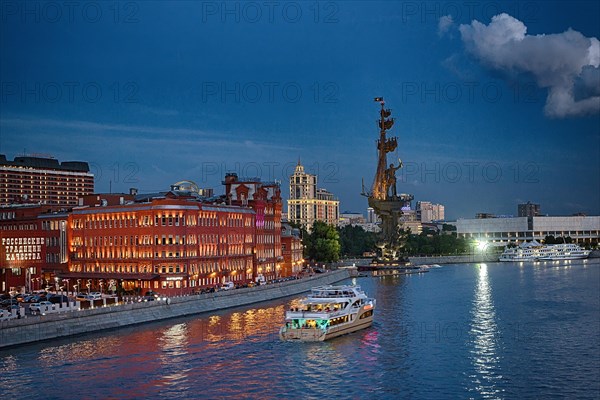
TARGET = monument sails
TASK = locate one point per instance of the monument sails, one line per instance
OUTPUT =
(383, 197)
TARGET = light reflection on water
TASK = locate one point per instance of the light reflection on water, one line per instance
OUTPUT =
(462, 331)
(483, 332)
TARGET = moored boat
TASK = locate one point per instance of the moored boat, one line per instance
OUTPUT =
(328, 312)
(534, 251)
(565, 251)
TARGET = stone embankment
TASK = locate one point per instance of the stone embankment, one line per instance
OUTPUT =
(44, 327)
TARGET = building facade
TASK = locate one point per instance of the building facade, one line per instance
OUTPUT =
(292, 251)
(528, 210)
(44, 181)
(428, 212)
(264, 198)
(168, 243)
(33, 247)
(307, 203)
(501, 231)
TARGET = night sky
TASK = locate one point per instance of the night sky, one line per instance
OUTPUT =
(496, 103)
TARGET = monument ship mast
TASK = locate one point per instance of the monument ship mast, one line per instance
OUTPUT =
(384, 198)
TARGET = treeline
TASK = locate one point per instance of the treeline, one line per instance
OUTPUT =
(326, 243)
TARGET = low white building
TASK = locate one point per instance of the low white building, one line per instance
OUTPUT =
(582, 229)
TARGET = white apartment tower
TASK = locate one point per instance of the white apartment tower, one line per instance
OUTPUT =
(308, 204)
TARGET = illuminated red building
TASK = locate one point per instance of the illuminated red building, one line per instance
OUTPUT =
(33, 247)
(43, 180)
(291, 249)
(171, 243)
(265, 199)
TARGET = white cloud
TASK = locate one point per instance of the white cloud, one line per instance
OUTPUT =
(558, 62)
(444, 24)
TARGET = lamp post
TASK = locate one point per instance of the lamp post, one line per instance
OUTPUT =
(88, 284)
(67, 281)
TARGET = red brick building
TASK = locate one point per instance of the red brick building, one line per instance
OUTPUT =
(169, 243)
(265, 199)
(292, 250)
(33, 247)
(43, 180)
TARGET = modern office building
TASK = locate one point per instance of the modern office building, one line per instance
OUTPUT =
(307, 203)
(43, 180)
(581, 229)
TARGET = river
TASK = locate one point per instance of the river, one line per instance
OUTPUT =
(482, 331)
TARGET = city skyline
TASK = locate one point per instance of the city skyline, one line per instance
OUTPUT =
(151, 94)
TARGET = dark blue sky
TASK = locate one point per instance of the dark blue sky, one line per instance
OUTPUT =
(488, 113)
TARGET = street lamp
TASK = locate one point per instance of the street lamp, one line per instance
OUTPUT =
(89, 284)
(67, 281)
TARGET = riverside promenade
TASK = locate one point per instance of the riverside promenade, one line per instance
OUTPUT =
(44, 327)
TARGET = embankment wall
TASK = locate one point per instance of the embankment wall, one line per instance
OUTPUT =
(44, 327)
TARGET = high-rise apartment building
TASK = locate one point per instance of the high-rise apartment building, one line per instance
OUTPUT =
(427, 212)
(307, 203)
(529, 210)
(44, 180)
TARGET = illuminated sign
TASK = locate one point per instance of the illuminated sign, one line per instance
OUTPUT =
(174, 278)
(22, 249)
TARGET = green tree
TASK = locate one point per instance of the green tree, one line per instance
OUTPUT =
(322, 243)
(354, 241)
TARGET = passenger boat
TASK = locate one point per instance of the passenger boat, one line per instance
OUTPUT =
(328, 312)
(534, 251)
(565, 251)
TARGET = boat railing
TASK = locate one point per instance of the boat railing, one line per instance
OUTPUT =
(314, 314)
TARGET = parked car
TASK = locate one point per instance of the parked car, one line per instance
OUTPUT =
(41, 306)
(58, 298)
(227, 286)
(95, 296)
(147, 298)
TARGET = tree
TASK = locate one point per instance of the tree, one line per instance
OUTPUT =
(355, 241)
(322, 243)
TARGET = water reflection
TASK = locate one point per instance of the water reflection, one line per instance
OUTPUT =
(483, 332)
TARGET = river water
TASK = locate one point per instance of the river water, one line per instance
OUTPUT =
(482, 331)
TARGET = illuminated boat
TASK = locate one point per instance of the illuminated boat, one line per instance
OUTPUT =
(565, 251)
(328, 312)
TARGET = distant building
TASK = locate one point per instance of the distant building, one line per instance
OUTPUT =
(307, 203)
(528, 210)
(371, 216)
(427, 212)
(519, 229)
(43, 180)
(350, 218)
(484, 215)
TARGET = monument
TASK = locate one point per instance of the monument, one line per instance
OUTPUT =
(384, 198)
